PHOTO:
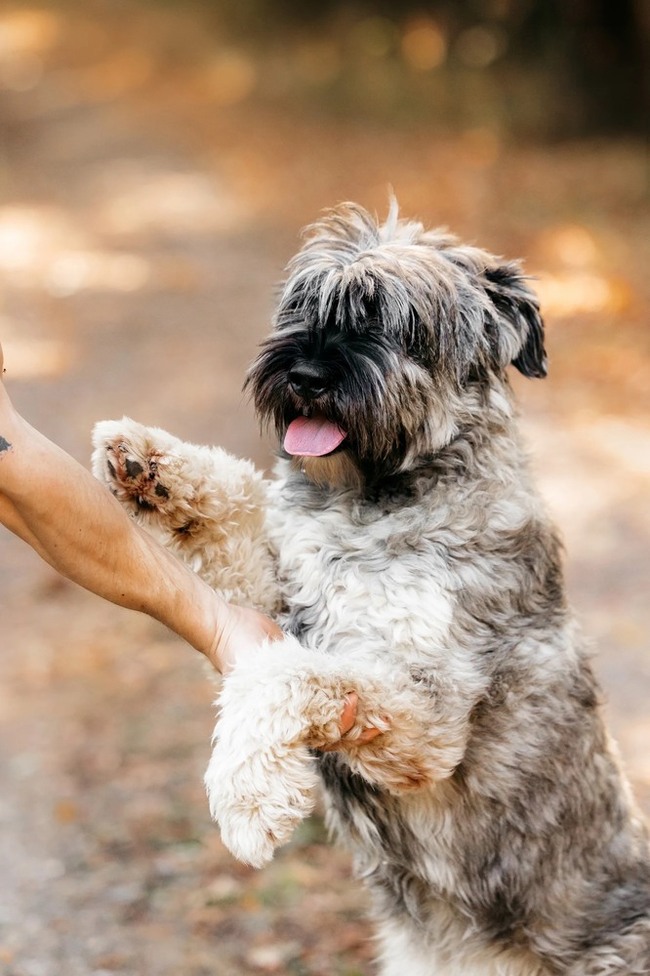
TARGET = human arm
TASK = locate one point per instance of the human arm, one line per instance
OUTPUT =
(57, 507)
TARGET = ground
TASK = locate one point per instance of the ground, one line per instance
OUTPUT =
(148, 207)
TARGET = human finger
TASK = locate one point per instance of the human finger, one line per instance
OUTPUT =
(347, 721)
(349, 713)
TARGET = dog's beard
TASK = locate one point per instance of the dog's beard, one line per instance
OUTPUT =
(338, 470)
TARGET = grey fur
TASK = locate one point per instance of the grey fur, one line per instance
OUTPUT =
(423, 541)
(547, 852)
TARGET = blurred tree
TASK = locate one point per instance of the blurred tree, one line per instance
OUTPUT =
(582, 61)
(597, 50)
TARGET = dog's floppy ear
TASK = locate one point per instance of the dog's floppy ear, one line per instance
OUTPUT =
(517, 336)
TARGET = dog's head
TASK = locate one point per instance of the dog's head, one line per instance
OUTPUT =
(384, 337)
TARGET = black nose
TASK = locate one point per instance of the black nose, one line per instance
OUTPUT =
(308, 380)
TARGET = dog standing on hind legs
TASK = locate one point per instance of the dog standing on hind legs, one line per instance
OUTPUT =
(408, 556)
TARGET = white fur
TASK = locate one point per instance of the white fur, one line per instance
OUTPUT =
(405, 953)
(280, 702)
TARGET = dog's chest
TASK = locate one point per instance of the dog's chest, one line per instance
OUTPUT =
(376, 577)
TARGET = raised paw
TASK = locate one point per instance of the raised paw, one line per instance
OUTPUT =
(261, 778)
(135, 479)
(206, 505)
(146, 471)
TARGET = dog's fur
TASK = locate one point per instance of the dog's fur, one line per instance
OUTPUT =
(416, 565)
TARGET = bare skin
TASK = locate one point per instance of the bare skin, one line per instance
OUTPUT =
(56, 506)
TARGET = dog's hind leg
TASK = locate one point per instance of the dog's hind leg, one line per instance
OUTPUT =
(204, 504)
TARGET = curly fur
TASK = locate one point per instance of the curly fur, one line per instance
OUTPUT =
(416, 564)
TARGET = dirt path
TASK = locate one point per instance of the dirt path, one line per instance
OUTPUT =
(143, 224)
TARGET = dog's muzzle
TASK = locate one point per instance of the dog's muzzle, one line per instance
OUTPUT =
(313, 434)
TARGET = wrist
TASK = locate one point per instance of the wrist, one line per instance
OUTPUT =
(194, 611)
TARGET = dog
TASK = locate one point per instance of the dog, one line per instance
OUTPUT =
(408, 556)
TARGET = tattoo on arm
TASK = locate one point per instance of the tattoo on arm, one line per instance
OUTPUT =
(4, 445)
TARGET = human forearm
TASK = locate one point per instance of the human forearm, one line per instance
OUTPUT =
(55, 503)
(76, 525)
(59, 509)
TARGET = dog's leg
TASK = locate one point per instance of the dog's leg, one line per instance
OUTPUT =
(282, 701)
(206, 505)
(261, 777)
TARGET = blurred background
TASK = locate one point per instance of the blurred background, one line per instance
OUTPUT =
(157, 160)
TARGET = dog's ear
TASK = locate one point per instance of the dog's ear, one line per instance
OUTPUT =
(517, 336)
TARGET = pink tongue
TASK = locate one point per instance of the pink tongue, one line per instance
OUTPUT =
(312, 437)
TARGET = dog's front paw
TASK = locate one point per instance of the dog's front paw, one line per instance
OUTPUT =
(145, 470)
(260, 801)
(262, 778)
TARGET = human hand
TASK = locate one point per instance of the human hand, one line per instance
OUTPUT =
(348, 720)
(238, 629)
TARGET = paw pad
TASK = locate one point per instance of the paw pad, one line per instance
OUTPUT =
(135, 479)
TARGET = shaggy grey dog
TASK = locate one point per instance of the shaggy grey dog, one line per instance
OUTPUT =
(408, 555)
